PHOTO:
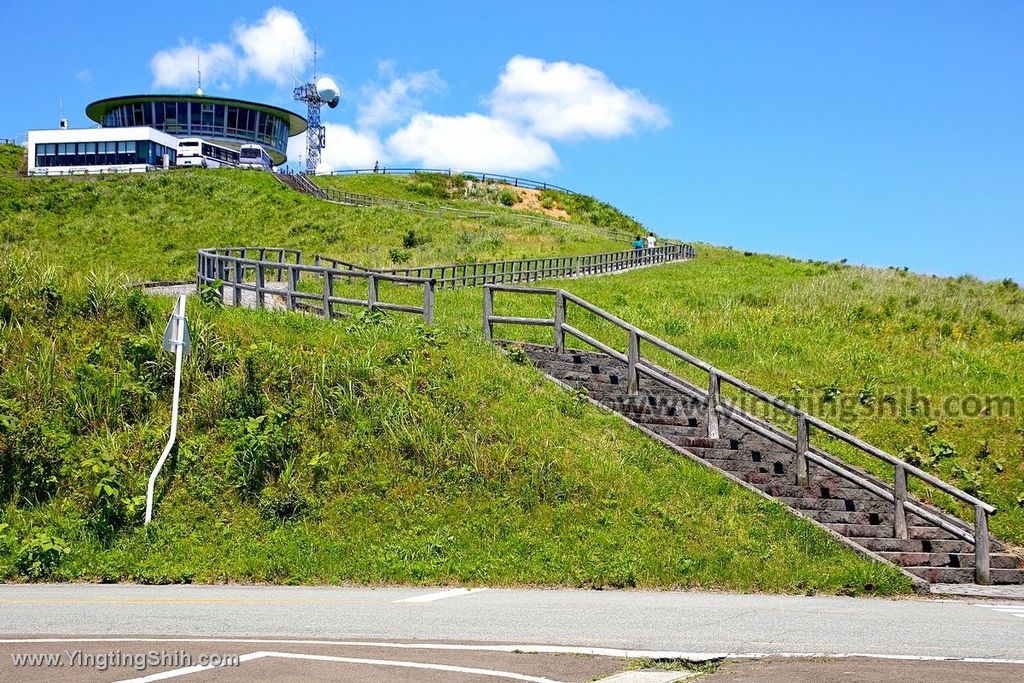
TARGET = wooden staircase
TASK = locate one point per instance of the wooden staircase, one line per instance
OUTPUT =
(875, 517)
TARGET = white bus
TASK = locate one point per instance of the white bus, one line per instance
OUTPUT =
(199, 152)
(254, 156)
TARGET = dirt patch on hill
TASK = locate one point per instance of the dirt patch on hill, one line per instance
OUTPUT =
(530, 200)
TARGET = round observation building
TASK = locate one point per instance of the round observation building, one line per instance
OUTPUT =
(222, 120)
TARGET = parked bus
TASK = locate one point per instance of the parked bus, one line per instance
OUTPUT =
(199, 152)
(254, 156)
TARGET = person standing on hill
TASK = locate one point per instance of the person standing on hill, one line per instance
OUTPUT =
(638, 243)
(651, 240)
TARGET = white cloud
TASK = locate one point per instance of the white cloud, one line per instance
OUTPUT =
(346, 148)
(84, 76)
(275, 47)
(397, 101)
(272, 49)
(559, 100)
(470, 142)
(177, 67)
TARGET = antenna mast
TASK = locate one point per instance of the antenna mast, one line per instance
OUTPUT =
(315, 97)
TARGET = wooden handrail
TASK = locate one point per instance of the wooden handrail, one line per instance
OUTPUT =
(470, 274)
(800, 443)
(222, 267)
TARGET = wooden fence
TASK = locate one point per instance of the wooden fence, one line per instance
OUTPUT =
(531, 270)
(799, 443)
(256, 269)
(474, 175)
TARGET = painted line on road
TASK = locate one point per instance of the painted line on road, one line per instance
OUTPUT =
(1013, 610)
(253, 656)
(186, 670)
(431, 597)
(531, 648)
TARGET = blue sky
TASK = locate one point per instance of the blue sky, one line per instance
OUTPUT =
(884, 133)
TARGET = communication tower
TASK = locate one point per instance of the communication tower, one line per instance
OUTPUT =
(316, 94)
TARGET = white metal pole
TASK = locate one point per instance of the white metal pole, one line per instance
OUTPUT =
(178, 322)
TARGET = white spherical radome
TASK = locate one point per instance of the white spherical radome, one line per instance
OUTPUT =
(327, 89)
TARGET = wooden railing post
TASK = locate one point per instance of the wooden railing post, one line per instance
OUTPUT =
(899, 495)
(260, 284)
(428, 302)
(221, 276)
(328, 293)
(982, 575)
(633, 358)
(559, 322)
(371, 291)
(488, 313)
(290, 290)
(239, 277)
(802, 444)
(714, 391)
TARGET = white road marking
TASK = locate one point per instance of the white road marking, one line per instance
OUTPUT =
(185, 670)
(431, 597)
(649, 677)
(1011, 609)
(528, 648)
(494, 673)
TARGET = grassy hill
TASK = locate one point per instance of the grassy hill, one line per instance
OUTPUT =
(928, 368)
(375, 451)
(435, 189)
(149, 226)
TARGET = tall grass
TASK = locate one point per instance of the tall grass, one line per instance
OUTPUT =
(369, 450)
(875, 351)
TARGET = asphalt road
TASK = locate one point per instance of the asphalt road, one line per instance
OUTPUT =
(668, 623)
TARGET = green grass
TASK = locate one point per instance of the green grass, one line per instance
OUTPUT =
(447, 461)
(436, 189)
(871, 340)
(150, 226)
(376, 451)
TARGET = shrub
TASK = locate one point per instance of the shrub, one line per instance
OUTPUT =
(259, 450)
(432, 185)
(111, 507)
(507, 197)
(246, 393)
(283, 500)
(399, 256)
(40, 555)
(411, 240)
(209, 294)
(31, 454)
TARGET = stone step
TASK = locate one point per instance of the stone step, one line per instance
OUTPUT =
(674, 420)
(858, 531)
(966, 575)
(673, 432)
(859, 518)
(840, 504)
(642, 409)
(575, 357)
(583, 380)
(954, 560)
(750, 472)
(647, 396)
(912, 545)
(817, 489)
(753, 457)
(617, 393)
(691, 442)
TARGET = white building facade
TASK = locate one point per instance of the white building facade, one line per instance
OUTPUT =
(68, 151)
